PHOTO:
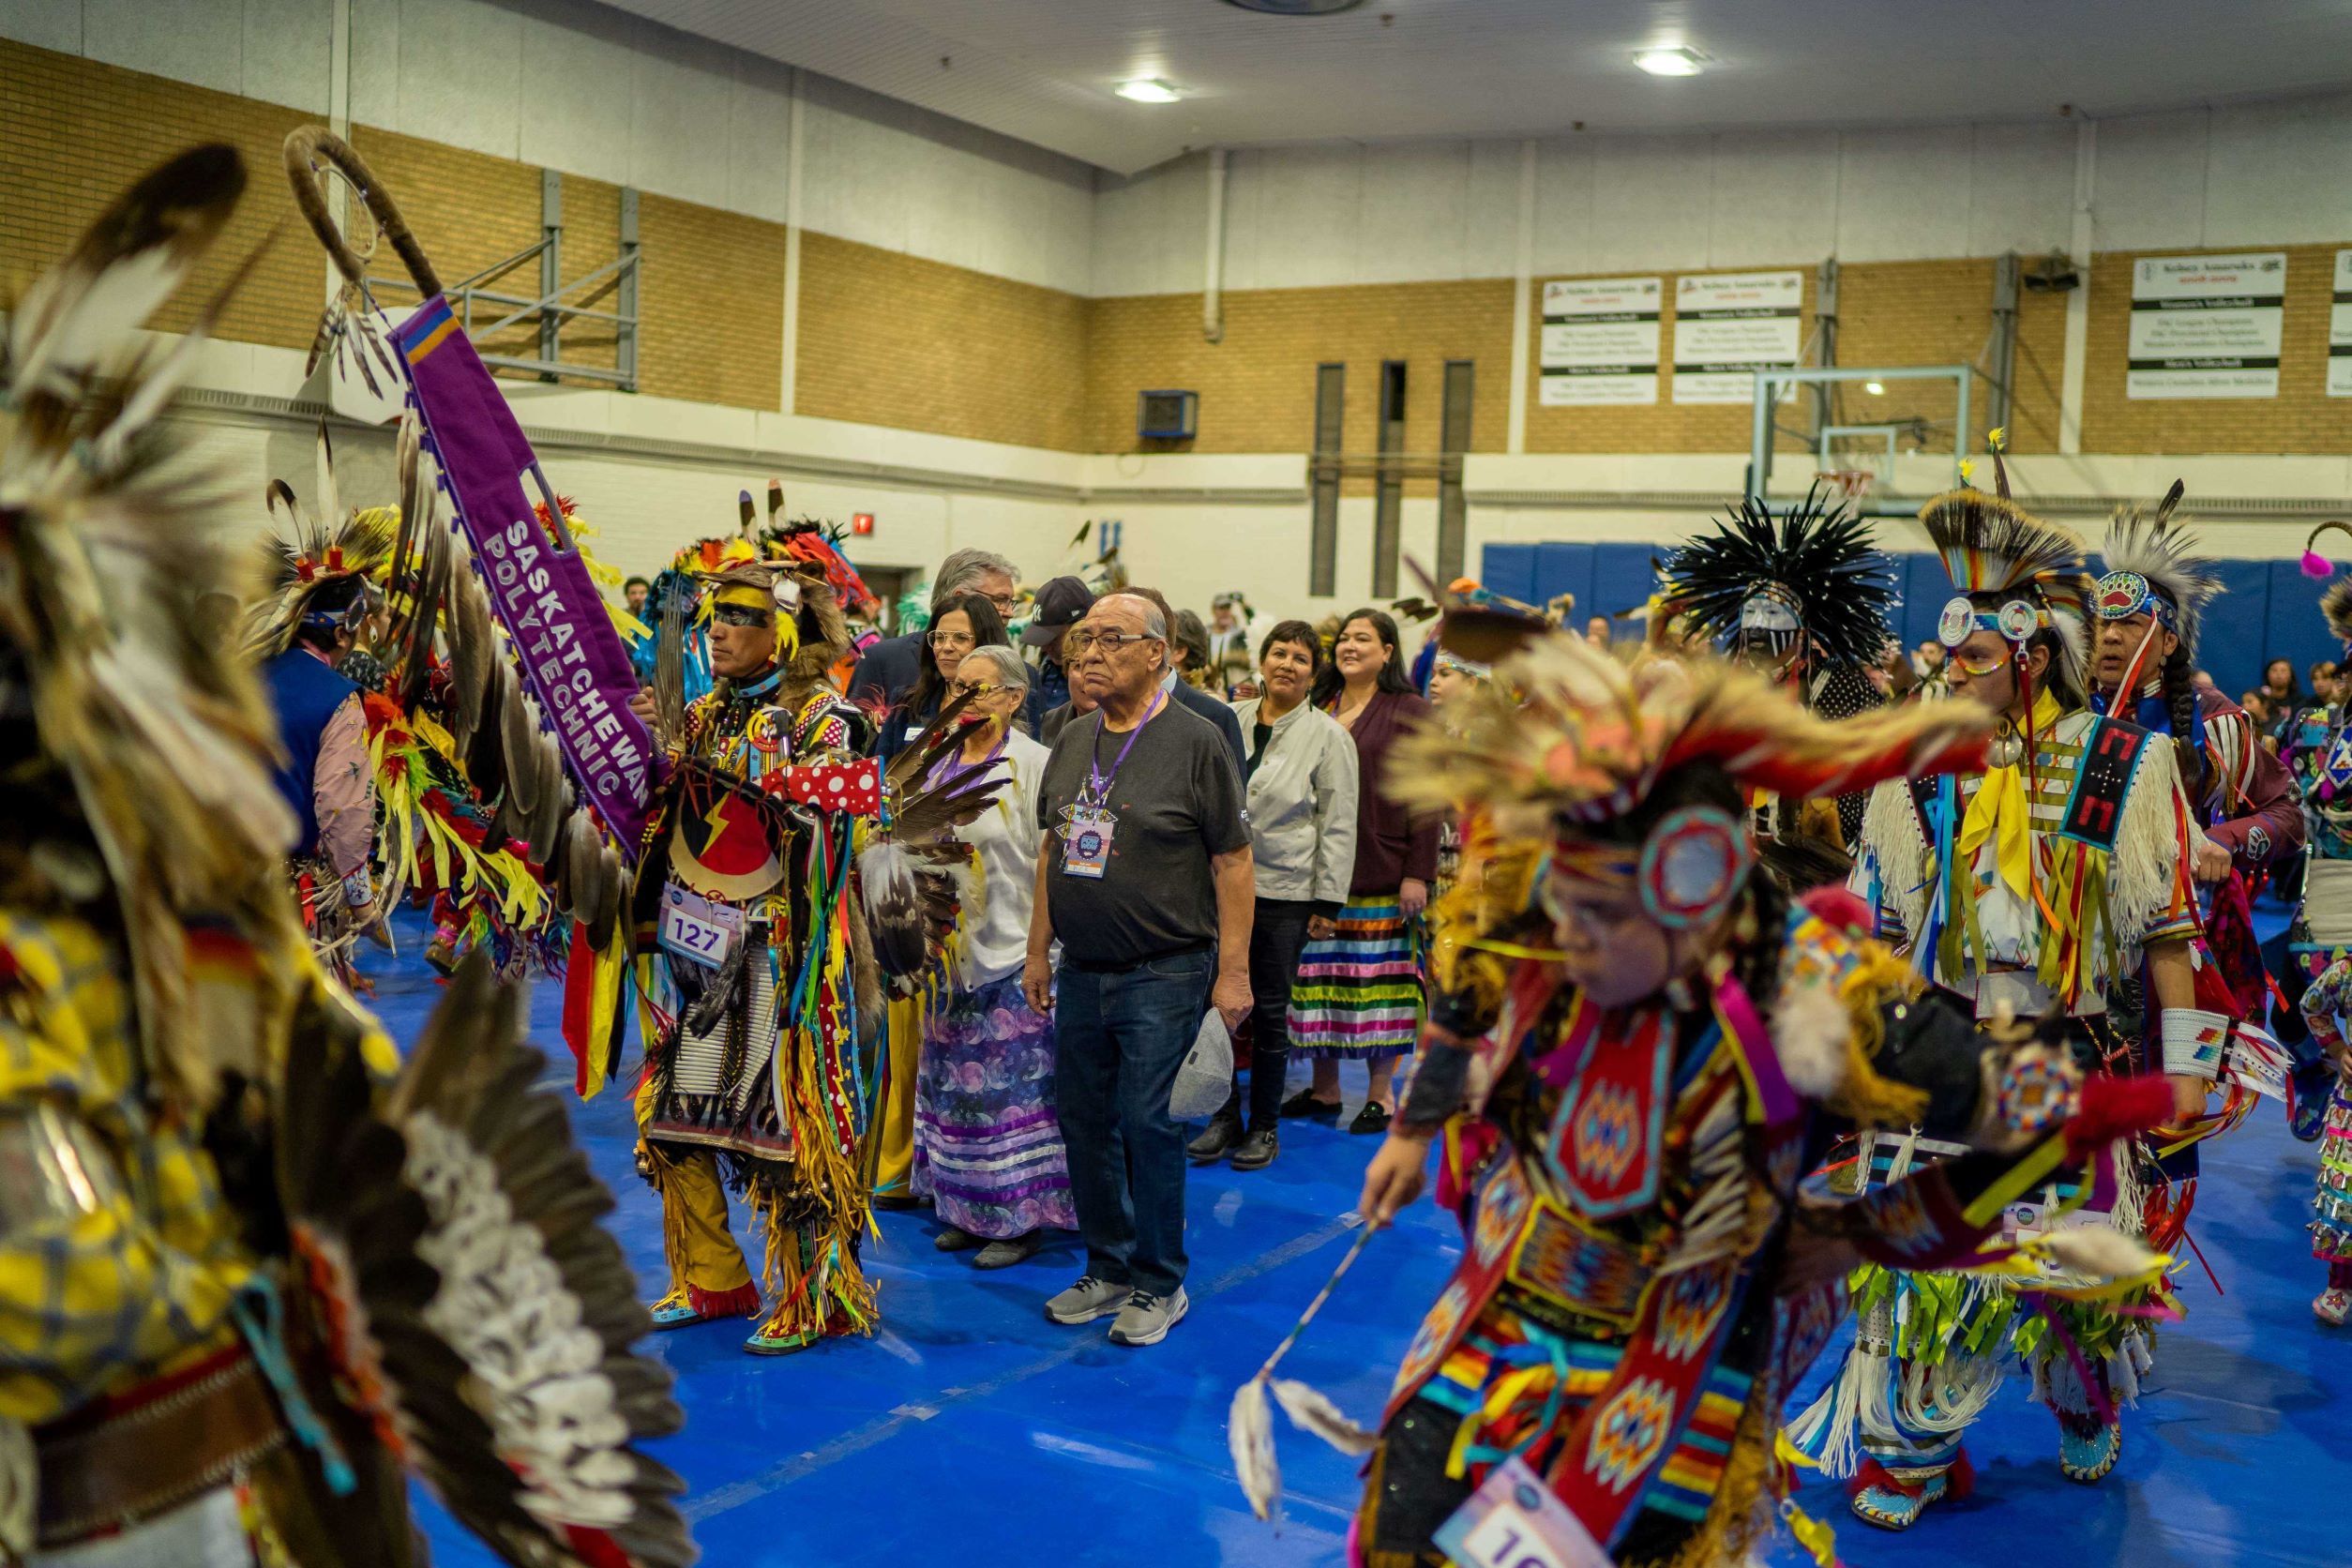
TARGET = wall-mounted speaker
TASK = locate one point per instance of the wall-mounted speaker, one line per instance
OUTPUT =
(1166, 415)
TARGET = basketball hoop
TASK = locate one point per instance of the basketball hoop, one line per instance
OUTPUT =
(1853, 484)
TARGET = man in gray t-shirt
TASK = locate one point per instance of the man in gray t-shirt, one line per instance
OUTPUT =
(1145, 875)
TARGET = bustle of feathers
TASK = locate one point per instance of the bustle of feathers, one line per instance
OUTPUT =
(1816, 551)
(2336, 605)
(1990, 545)
(461, 1296)
(2158, 548)
(122, 569)
(1591, 737)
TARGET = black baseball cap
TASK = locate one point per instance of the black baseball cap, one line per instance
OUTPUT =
(1061, 604)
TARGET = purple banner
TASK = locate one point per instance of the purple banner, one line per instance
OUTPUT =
(572, 657)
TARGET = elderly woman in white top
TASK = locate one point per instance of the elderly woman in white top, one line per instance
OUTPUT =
(1301, 774)
(987, 1148)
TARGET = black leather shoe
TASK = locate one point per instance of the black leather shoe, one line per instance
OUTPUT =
(1303, 1103)
(1223, 1133)
(1373, 1118)
(1256, 1151)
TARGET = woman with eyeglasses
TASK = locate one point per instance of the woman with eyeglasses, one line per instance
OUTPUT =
(962, 623)
(987, 1148)
(1301, 776)
(1358, 996)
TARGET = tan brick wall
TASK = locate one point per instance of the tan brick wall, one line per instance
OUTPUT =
(1941, 314)
(2301, 418)
(1258, 386)
(713, 304)
(892, 339)
(73, 134)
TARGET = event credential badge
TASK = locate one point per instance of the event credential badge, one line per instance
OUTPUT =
(1086, 843)
(1515, 1522)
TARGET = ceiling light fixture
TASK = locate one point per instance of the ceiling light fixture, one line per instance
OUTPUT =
(1874, 387)
(1148, 89)
(1672, 60)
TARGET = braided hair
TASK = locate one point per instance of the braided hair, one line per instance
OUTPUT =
(2181, 709)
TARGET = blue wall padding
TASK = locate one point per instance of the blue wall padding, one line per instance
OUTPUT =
(2271, 608)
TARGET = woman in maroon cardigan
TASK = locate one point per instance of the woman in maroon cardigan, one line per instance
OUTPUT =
(1358, 996)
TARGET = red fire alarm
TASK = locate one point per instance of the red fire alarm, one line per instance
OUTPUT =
(860, 523)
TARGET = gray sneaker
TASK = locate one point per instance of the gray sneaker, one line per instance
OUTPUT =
(1086, 1300)
(1146, 1319)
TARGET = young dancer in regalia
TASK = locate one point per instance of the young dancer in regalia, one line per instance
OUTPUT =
(2032, 888)
(1640, 1045)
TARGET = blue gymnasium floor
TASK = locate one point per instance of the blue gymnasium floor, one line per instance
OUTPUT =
(971, 1430)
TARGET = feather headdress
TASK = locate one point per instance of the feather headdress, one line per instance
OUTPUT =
(316, 548)
(2336, 605)
(1994, 549)
(120, 583)
(1810, 572)
(2151, 548)
(1592, 738)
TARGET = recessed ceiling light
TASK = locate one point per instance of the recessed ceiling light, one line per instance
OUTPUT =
(1673, 61)
(1148, 89)
(1874, 387)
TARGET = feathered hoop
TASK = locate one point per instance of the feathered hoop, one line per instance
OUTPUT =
(1813, 564)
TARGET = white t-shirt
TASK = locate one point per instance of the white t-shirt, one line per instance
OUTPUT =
(1007, 836)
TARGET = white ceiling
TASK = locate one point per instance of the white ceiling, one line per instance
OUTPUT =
(1042, 70)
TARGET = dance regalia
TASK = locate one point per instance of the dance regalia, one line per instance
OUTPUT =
(254, 1267)
(755, 1060)
(1805, 594)
(318, 570)
(2242, 797)
(1627, 1317)
(753, 959)
(2320, 955)
(2024, 891)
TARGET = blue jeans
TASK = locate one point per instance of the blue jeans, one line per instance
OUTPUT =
(1117, 1041)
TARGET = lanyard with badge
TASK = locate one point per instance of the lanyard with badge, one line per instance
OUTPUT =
(1088, 822)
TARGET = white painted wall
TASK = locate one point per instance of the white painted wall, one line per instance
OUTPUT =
(578, 86)
(2276, 174)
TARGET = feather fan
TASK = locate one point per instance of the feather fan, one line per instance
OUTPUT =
(911, 880)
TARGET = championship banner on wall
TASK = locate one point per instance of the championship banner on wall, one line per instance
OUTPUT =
(2207, 327)
(1728, 325)
(1600, 340)
(2340, 330)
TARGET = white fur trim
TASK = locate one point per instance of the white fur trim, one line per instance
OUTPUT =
(1810, 1029)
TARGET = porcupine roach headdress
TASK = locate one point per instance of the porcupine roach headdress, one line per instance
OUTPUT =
(1996, 553)
(1809, 574)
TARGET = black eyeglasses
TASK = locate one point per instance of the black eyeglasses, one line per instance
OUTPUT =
(1110, 641)
(986, 688)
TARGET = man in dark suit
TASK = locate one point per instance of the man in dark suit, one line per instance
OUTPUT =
(886, 673)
